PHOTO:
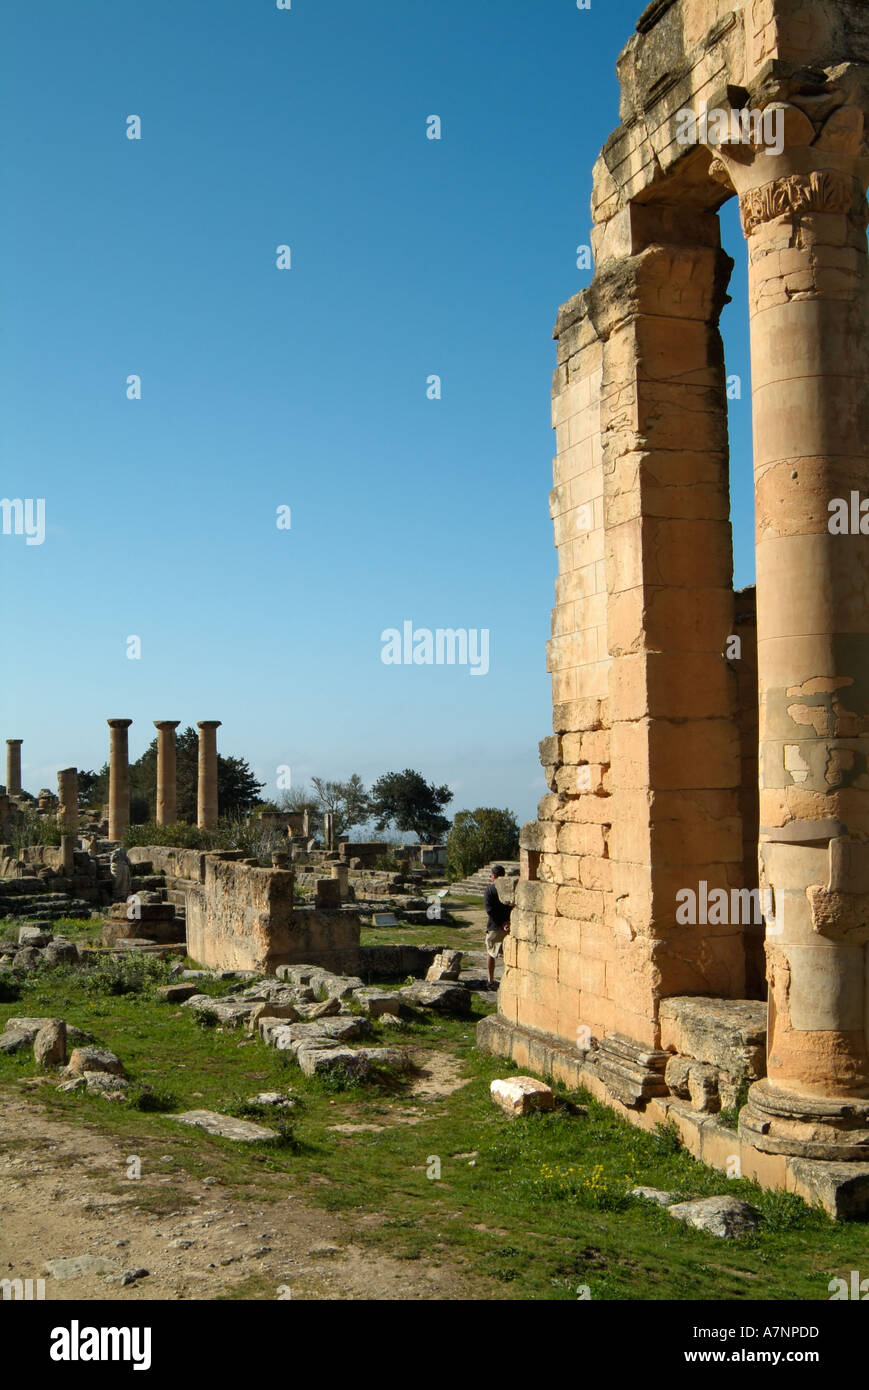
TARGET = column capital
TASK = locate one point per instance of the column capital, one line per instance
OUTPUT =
(166, 723)
(119, 723)
(208, 723)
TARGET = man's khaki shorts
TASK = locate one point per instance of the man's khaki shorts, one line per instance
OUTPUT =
(494, 942)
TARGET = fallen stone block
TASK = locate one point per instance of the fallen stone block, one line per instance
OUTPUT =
(445, 966)
(60, 952)
(80, 1266)
(26, 958)
(654, 1194)
(520, 1095)
(85, 1059)
(727, 1217)
(98, 1083)
(31, 1026)
(442, 997)
(283, 1012)
(14, 1040)
(175, 994)
(225, 1126)
(328, 1009)
(34, 936)
(378, 1002)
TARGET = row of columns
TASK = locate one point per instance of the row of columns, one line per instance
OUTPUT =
(119, 777)
(167, 797)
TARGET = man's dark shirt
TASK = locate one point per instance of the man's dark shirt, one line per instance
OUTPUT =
(497, 912)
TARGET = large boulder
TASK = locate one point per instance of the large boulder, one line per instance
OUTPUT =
(60, 952)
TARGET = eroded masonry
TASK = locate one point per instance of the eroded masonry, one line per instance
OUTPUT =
(682, 763)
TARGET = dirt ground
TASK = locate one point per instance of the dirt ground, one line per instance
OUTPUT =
(58, 1198)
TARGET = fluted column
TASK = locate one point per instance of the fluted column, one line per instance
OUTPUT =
(13, 766)
(804, 217)
(167, 776)
(119, 778)
(206, 809)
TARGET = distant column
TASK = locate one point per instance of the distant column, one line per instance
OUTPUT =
(119, 778)
(167, 778)
(13, 766)
(206, 811)
(67, 795)
(329, 830)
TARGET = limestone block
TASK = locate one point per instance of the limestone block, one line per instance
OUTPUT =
(520, 1095)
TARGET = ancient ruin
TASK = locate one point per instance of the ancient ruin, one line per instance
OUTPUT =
(657, 755)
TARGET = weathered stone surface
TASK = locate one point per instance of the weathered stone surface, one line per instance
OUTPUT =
(727, 1033)
(288, 1037)
(175, 994)
(378, 1003)
(444, 998)
(14, 1039)
(31, 1026)
(720, 1216)
(284, 1013)
(358, 1063)
(85, 1059)
(34, 936)
(229, 1010)
(445, 966)
(654, 1194)
(97, 1083)
(60, 952)
(225, 1126)
(49, 1045)
(520, 1095)
(328, 1009)
(26, 958)
(80, 1266)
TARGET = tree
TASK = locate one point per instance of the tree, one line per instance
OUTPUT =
(348, 802)
(93, 787)
(478, 837)
(407, 801)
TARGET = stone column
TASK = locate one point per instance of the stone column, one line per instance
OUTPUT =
(67, 795)
(13, 766)
(804, 217)
(328, 830)
(206, 810)
(119, 778)
(167, 781)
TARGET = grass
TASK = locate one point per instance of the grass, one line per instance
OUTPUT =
(523, 1209)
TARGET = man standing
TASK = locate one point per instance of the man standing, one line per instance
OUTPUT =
(498, 922)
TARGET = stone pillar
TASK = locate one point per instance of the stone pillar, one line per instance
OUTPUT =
(206, 809)
(342, 873)
(328, 830)
(13, 766)
(804, 217)
(167, 782)
(67, 795)
(119, 778)
(67, 846)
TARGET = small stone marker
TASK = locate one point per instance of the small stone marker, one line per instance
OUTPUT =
(519, 1095)
(384, 919)
(225, 1126)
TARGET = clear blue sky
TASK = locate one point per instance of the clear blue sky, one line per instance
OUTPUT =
(304, 388)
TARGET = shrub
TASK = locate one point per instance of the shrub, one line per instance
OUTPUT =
(478, 837)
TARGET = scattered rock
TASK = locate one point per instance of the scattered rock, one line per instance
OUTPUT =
(720, 1216)
(654, 1194)
(26, 958)
(129, 1276)
(225, 1126)
(328, 1009)
(14, 1040)
(93, 1059)
(49, 1045)
(519, 1095)
(60, 952)
(34, 936)
(379, 1002)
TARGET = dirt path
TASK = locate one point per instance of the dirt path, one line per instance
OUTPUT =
(58, 1198)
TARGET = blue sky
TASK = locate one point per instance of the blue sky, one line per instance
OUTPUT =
(304, 388)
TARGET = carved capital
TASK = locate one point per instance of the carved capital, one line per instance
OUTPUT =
(823, 190)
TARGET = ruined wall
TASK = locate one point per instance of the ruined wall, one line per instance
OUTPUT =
(242, 918)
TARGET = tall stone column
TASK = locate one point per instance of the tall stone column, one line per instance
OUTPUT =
(329, 830)
(13, 766)
(167, 777)
(804, 217)
(119, 778)
(206, 810)
(67, 795)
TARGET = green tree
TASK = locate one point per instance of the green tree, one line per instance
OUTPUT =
(407, 801)
(478, 837)
(348, 802)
